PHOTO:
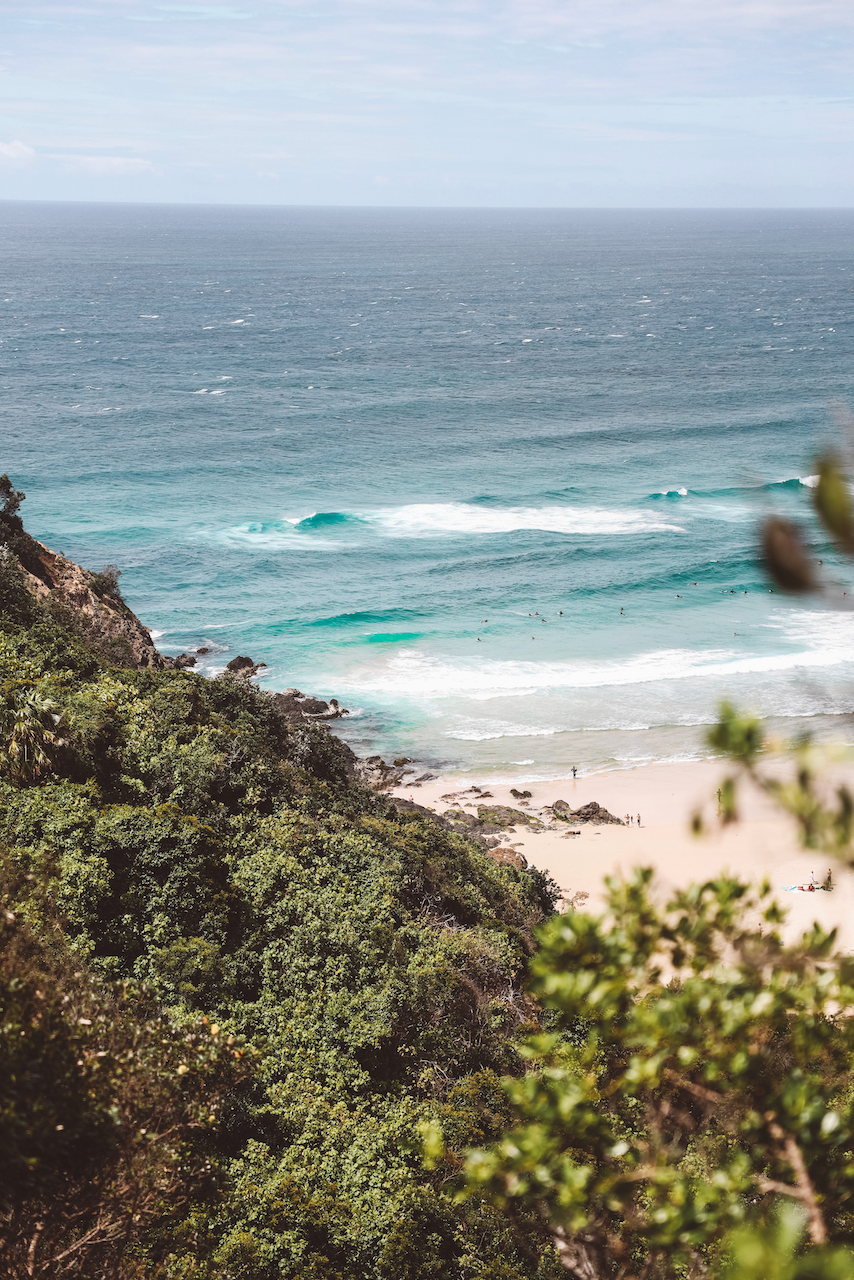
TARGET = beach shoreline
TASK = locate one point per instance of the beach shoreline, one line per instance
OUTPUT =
(762, 844)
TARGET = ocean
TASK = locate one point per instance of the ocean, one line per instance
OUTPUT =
(490, 477)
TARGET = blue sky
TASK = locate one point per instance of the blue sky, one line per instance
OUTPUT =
(430, 102)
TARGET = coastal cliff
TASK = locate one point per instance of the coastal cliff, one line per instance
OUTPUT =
(97, 602)
(94, 603)
(276, 977)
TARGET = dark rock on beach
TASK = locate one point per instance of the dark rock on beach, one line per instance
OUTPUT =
(591, 812)
(183, 660)
(409, 806)
(508, 857)
(375, 773)
(501, 816)
(466, 824)
(244, 667)
(298, 706)
(239, 664)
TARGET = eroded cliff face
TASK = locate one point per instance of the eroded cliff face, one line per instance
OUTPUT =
(96, 605)
(109, 623)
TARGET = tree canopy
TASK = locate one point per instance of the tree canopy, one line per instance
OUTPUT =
(177, 858)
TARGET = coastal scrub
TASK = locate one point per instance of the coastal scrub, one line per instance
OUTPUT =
(182, 853)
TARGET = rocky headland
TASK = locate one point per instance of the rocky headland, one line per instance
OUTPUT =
(95, 602)
(98, 609)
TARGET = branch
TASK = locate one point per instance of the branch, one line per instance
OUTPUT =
(698, 1090)
(805, 1191)
(89, 1237)
(31, 1252)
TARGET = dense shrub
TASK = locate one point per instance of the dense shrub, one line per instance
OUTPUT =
(107, 1110)
(180, 834)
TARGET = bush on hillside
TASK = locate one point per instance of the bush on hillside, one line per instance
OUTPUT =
(106, 1111)
(187, 838)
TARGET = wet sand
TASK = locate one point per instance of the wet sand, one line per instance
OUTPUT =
(762, 844)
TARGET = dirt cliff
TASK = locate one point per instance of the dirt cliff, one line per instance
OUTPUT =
(95, 599)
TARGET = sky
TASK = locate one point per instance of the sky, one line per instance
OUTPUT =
(536, 103)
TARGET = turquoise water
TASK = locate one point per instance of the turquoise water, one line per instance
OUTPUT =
(422, 460)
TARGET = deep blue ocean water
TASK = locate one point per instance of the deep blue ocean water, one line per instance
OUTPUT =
(491, 477)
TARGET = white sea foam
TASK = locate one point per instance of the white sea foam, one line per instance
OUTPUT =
(432, 519)
(443, 519)
(809, 481)
(272, 538)
(487, 731)
(833, 629)
(416, 675)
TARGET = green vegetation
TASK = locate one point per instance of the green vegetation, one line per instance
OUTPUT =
(691, 1110)
(697, 1072)
(105, 1110)
(187, 878)
(256, 1023)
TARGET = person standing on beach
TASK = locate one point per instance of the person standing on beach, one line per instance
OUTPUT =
(638, 819)
(573, 771)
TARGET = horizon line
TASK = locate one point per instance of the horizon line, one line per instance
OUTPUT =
(436, 208)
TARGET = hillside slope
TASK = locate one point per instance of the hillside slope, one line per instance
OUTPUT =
(180, 835)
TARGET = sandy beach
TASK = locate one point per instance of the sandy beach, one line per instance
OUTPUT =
(762, 843)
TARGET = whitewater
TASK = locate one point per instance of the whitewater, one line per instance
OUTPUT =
(492, 478)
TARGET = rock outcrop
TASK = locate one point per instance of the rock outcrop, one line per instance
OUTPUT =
(375, 773)
(466, 824)
(508, 857)
(243, 667)
(591, 812)
(298, 706)
(94, 597)
(110, 626)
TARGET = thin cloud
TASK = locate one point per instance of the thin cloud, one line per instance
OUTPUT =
(108, 165)
(588, 17)
(463, 101)
(191, 13)
(16, 153)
